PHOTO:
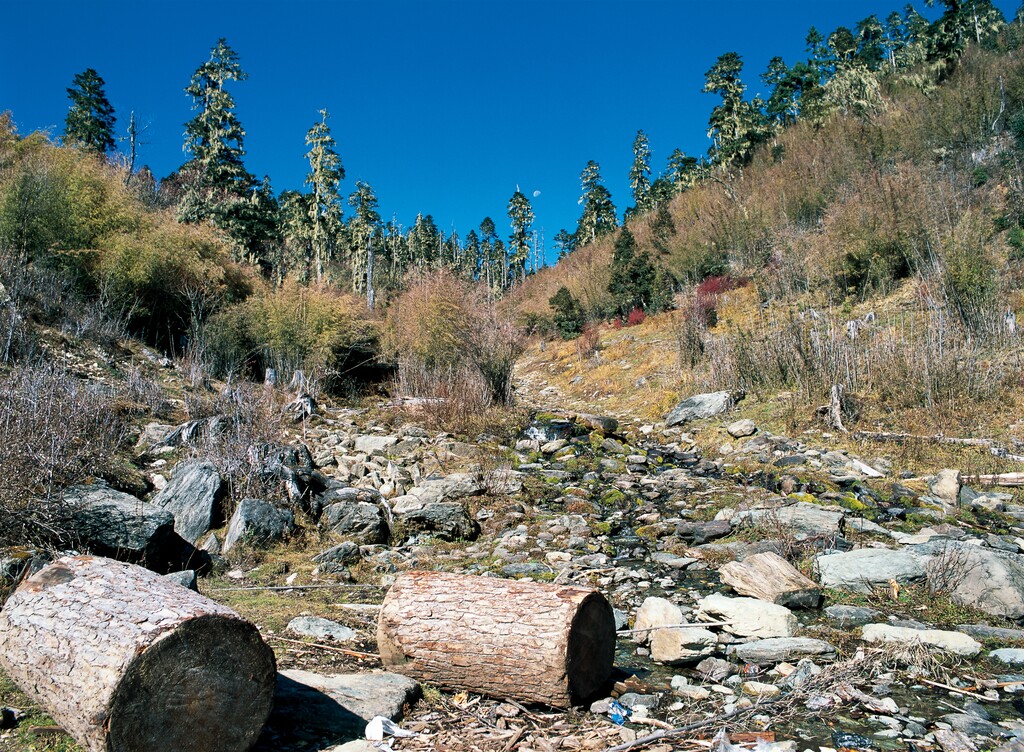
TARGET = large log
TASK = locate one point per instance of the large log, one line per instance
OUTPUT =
(504, 638)
(128, 661)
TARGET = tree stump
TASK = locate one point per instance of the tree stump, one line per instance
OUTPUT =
(128, 661)
(504, 638)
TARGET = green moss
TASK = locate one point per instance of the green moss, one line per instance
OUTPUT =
(613, 497)
(602, 528)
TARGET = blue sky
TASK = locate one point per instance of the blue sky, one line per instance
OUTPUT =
(443, 106)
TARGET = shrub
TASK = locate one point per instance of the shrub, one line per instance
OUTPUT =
(443, 332)
(569, 316)
(636, 317)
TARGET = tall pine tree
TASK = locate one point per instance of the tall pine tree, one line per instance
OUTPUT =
(324, 178)
(520, 213)
(640, 175)
(90, 120)
(598, 210)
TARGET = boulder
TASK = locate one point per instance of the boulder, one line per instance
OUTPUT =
(321, 629)
(950, 642)
(257, 522)
(445, 520)
(686, 645)
(361, 521)
(984, 578)
(654, 613)
(368, 443)
(845, 617)
(748, 617)
(337, 494)
(341, 555)
(945, 487)
(802, 520)
(698, 533)
(1012, 656)
(865, 569)
(740, 428)
(193, 497)
(702, 406)
(769, 577)
(778, 649)
(338, 706)
(119, 526)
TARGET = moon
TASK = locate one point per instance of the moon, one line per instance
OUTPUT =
(536, 193)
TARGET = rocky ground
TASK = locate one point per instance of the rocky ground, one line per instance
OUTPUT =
(782, 590)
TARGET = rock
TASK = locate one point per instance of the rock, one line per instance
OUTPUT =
(865, 569)
(362, 521)
(369, 443)
(257, 522)
(749, 617)
(445, 520)
(715, 669)
(760, 689)
(314, 626)
(954, 741)
(983, 631)
(654, 613)
(778, 649)
(600, 423)
(740, 428)
(193, 496)
(983, 578)
(342, 555)
(803, 520)
(339, 494)
(338, 706)
(945, 486)
(186, 578)
(120, 526)
(698, 533)
(771, 578)
(950, 642)
(524, 568)
(702, 406)
(1012, 656)
(686, 645)
(972, 725)
(846, 617)
(691, 692)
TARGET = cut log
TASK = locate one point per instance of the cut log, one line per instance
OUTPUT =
(127, 660)
(528, 641)
(769, 577)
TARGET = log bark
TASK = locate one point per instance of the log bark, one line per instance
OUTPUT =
(528, 641)
(769, 577)
(128, 661)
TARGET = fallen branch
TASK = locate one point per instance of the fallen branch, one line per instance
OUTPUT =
(700, 624)
(940, 685)
(642, 741)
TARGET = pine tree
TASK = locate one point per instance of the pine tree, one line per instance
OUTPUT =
(520, 213)
(736, 125)
(325, 176)
(565, 242)
(963, 22)
(633, 276)
(598, 210)
(640, 175)
(569, 316)
(90, 120)
(364, 231)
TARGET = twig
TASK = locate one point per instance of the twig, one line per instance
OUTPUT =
(940, 685)
(666, 733)
(294, 587)
(520, 730)
(676, 626)
(343, 651)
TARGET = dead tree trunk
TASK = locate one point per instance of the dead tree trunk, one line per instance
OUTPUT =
(127, 660)
(504, 638)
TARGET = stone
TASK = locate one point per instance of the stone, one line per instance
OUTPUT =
(972, 725)
(370, 443)
(984, 631)
(769, 577)
(778, 649)
(954, 741)
(193, 497)
(698, 533)
(803, 520)
(186, 578)
(257, 523)
(945, 487)
(759, 689)
(682, 645)
(362, 521)
(702, 406)
(120, 526)
(984, 578)
(741, 428)
(715, 669)
(846, 617)
(321, 629)
(445, 520)
(1012, 656)
(748, 617)
(865, 569)
(950, 642)
(342, 554)
(337, 706)
(655, 613)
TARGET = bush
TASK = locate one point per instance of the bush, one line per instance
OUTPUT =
(569, 316)
(443, 331)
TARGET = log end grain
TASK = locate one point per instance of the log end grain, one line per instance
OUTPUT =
(207, 685)
(591, 648)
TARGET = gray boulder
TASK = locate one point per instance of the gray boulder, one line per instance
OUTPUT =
(687, 645)
(984, 578)
(193, 496)
(186, 578)
(748, 617)
(741, 428)
(846, 617)
(445, 520)
(865, 569)
(337, 494)
(359, 520)
(257, 522)
(702, 406)
(368, 443)
(120, 526)
(950, 642)
(778, 649)
(342, 554)
(1012, 656)
(803, 520)
(315, 626)
(945, 487)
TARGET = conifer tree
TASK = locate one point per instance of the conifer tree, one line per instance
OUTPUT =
(90, 119)
(736, 125)
(632, 276)
(520, 213)
(598, 210)
(569, 315)
(364, 232)
(324, 178)
(640, 175)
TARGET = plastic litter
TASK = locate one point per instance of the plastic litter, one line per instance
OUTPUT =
(379, 727)
(617, 713)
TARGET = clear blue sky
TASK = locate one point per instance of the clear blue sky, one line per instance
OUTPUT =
(443, 106)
